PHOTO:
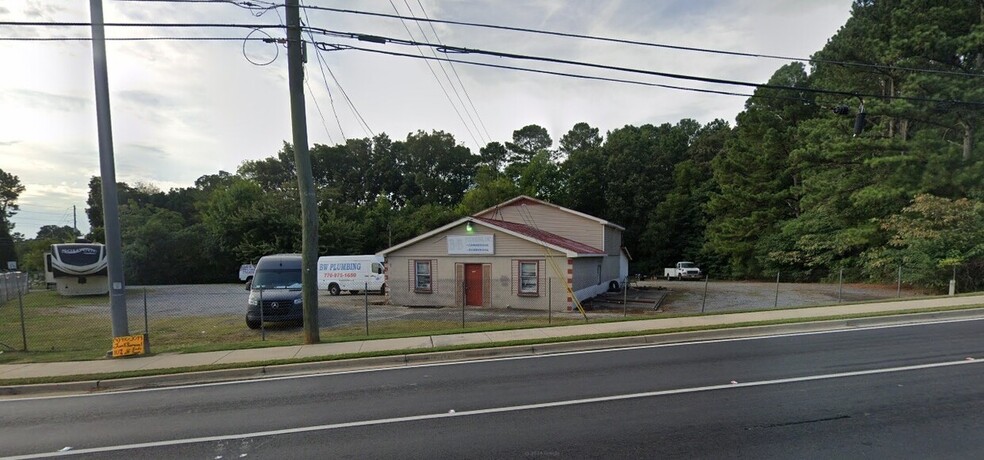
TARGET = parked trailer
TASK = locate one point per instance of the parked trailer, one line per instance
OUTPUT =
(78, 268)
(351, 273)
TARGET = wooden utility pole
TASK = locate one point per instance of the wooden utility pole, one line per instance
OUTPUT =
(305, 180)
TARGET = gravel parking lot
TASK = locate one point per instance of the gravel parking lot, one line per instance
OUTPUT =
(350, 309)
(688, 296)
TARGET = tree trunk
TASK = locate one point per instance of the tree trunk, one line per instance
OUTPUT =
(968, 140)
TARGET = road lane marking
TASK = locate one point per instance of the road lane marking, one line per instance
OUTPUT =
(407, 366)
(493, 410)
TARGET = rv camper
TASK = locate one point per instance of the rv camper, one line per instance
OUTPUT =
(78, 268)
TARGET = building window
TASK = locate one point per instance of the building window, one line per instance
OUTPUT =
(422, 276)
(528, 278)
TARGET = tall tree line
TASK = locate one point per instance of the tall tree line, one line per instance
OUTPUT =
(801, 184)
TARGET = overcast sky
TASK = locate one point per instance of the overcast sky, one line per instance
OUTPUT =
(183, 109)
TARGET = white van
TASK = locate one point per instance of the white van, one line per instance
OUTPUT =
(351, 273)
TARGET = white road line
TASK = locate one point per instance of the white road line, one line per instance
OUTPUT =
(489, 360)
(494, 410)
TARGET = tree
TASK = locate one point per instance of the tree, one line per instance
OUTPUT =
(582, 172)
(930, 238)
(755, 184)
(436, 169)
(10, 190)
(528, 141)
(678, 227)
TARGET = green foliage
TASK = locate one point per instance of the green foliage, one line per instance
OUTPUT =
(930, 238)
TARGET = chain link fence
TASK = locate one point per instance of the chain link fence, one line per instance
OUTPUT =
(41, 325)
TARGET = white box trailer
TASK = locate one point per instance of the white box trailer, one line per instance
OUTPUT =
(351, 273)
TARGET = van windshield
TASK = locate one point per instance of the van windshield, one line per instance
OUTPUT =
(277, 279)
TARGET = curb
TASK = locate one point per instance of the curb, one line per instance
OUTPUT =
(491, 351)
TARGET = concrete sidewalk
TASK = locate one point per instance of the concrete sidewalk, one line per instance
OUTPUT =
(415, 345)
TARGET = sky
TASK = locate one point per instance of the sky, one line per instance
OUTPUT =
(184, 109)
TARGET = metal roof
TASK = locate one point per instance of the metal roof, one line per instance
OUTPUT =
(542, 237)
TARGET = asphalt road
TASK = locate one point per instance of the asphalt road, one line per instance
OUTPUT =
(899, 392)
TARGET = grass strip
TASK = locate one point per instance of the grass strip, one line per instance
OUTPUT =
(540, 341)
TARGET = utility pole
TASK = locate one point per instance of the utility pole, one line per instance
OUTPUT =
(111, 217)
(305, 180)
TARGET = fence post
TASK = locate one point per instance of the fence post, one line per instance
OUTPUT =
(20, 301)
(625, 291)
(549, 300)
(262, 327)
(898, 292)
(464, 300)
(776, 305)
(953, 282)
(366, 292)
(703, 303)
(146, 324)
(840, 286)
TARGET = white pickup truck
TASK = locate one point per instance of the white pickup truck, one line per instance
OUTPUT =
(683, 270)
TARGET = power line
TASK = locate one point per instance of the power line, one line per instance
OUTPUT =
(436, 78)
(455, 71)
(339, 47)
(322, 65)
(461, 101)
(141, 24)
(334, 47)
(648, 44)
(128, 39)
(719, 81)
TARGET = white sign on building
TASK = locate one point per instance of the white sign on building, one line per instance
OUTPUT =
(474, 244)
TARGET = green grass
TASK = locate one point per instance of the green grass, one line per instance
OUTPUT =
(513, 343)
(80, 328)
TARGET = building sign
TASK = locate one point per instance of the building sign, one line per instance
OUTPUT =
(474, 244)
(128, 345)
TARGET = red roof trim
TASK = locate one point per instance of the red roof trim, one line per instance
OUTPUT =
(544, 237)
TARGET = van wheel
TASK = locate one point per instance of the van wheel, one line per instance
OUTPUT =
(334, 289)
(613, 286)
(382, 290)
(252, 324)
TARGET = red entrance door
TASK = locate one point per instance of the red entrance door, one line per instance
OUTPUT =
(473, 285)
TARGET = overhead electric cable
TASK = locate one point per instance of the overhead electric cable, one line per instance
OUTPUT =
(648, 44)
(436, 78)
(141, 24)
(322, 66)
(455, 71)
(339, 47)
(447, 76)
(720, 81)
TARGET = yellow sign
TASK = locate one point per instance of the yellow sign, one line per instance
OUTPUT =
(128, 345)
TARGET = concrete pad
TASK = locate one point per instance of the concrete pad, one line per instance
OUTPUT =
(5, 368)
(259, 354)
(329, 349)
(407, 343)
(187, 360)
(450, 340)
(518, 334)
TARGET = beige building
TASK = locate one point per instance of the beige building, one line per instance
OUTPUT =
(524, 253)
